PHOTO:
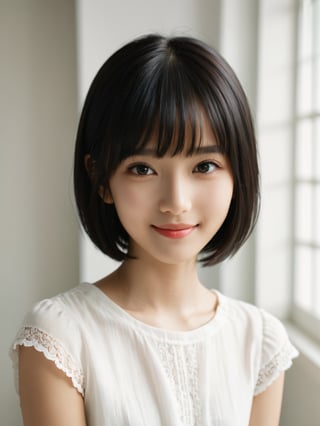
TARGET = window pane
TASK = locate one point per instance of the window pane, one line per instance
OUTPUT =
(317, 149)
(304, 90)
(305, 30)
(317, 83)
(304, 157)
(317, 216)
(317, 284)
(307, 161)
(303, 277)
(303, 216)
(316, 27)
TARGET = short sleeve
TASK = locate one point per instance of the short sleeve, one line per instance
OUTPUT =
(50, 329)
(276, 354)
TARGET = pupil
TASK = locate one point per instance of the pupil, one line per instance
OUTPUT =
(204, 167)
(142, 170)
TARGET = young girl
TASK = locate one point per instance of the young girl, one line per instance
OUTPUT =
(165, 176)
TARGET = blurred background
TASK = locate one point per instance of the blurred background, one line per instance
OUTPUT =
(49, 53)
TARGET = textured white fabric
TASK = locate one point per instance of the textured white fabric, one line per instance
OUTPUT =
(130, 373)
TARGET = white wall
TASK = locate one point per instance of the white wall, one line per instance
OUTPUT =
(38, 112)
(301, 398)
(275, 107)
(238, 44)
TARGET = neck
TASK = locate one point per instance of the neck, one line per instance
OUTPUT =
(168, 296)
(137, 285)
(158, 286)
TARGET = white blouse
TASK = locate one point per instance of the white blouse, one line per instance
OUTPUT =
(131, 373)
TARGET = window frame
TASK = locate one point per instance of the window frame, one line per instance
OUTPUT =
(305, 319)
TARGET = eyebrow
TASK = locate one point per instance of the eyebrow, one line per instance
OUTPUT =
(201, 150)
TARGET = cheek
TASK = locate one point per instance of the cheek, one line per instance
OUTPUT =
(217, 199)
(128, 199)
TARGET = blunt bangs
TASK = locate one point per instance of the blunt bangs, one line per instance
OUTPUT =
(159, 90)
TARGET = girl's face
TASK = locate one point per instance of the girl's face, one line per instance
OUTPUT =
(171, 207)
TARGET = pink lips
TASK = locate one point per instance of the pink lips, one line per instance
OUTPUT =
(175, 231)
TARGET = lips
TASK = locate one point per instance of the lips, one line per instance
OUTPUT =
(175, 231)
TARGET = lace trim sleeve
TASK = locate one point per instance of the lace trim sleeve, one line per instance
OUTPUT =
(52, 349)
(280, 362)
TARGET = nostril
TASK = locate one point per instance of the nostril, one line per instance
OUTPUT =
(175, 206)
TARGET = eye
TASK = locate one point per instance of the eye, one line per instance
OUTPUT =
(141, 170)
(205, 167)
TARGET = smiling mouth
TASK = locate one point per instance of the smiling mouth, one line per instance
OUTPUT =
(175, 231)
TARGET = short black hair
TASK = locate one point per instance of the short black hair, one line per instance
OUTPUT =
(156, 84)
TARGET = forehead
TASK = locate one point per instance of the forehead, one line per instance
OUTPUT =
(191, 137)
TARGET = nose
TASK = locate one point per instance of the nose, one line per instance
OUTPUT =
(175, 195)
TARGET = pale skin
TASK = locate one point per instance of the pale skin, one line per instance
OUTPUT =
(161, 286)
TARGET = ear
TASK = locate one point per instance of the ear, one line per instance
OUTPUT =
(89, 165)
(104, 193)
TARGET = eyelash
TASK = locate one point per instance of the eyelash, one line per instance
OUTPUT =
(135, 168)
(211, 164)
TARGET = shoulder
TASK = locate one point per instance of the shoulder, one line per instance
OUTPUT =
(58, 314)
(255, 319)
(242, 316)
(52, 328)
(266, 336)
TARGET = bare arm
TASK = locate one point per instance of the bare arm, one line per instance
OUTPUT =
(266, 407)
(46, 393)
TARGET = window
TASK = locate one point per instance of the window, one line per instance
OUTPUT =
(306, 182)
